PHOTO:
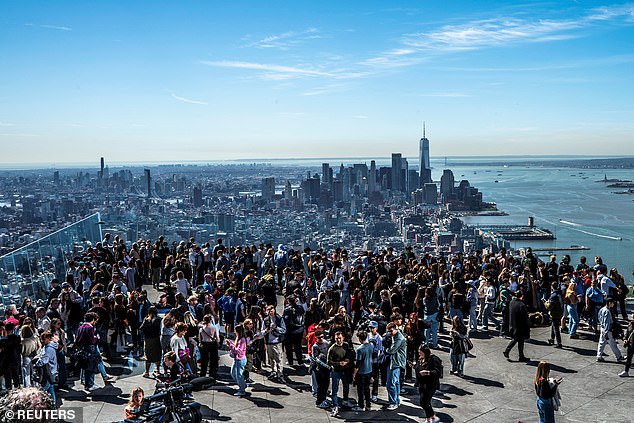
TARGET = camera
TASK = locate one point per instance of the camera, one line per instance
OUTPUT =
(169, 404)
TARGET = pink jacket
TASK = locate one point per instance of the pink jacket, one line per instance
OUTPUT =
(240, 350)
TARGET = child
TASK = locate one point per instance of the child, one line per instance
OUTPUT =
(459, 346)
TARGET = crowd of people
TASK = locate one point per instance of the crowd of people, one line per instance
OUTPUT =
(371, 321)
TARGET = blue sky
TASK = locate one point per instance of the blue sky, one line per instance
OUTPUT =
(210, 80)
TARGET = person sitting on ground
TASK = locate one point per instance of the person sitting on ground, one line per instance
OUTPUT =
(134, 405)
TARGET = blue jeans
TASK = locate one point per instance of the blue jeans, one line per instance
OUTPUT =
(432, 332)
(337, 376)
(47, 386)
(87, 378)
(545, 410)
(487, 316)
(453, 312)
(574, 319)
(393, 384)
(237, 373)
(457, 362)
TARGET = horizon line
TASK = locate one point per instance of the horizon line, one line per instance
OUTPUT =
(264, 160)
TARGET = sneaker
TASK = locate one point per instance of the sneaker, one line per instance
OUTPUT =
(435, 419)
(550, 342)
(334, 412)
(374, 399)
(620, 359)
(92, 388)
(239, 394)
(358, 409)
(451, 372)
(108, 379)
(506, 354)
(392, 407)
(559, 346)
(324, 405)
(524, 359)
(624, 374)
(600, 360)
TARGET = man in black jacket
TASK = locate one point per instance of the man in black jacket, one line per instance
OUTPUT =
(294, 319)
(519, 326)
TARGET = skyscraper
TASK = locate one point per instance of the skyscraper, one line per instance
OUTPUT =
(424, 169)
(148, 181)
(268, 188)
(198, 196)
(397, 161)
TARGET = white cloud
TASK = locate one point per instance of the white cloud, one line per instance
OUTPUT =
(283, 72)
(446, 95)
(188, 100)
(493, 32)
(55, 27)
(286, 40)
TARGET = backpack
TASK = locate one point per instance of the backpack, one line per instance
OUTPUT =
(280, 260)
(439, 366)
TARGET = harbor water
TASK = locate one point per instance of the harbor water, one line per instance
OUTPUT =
(567, 201)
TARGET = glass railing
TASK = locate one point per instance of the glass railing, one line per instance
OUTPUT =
(28, 271)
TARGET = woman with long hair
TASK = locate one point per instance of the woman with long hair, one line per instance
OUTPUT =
(546, 390)
(56, 330)
(209, 339)
(428, 370)
(238, 350)
(191, 337)
(571, 300)
(151, 329)
(120, 312)
(414, 335)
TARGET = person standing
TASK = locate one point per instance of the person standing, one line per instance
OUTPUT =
(605, 325)
(87, 341)
(151, 329)
(47, 357)
(428, 370)
(546, 390)
(209, 337)
(238, 350)
(340, 356)
(377, 341)
(398, 359)
(555, 307)
(320, 367)
(459, 346)
(489, 306)
(571, 299)
(363, 372)
(629, 344)
(274, 330)
(519, 326)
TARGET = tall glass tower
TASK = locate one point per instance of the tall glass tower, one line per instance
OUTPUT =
(423, 155)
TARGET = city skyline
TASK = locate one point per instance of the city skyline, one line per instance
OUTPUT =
(198, 81)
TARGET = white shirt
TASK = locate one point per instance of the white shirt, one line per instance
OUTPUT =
(181, 286)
